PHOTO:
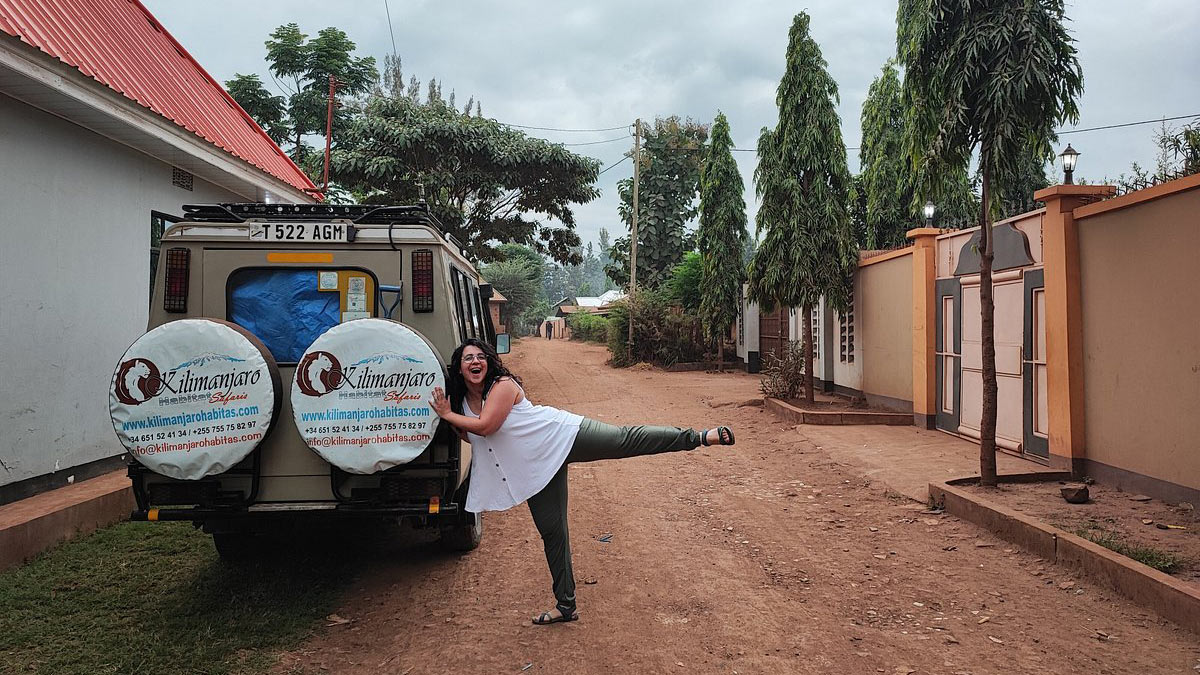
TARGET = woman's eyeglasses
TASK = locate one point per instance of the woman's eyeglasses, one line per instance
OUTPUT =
(471, 358)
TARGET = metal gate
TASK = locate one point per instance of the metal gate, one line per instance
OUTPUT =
(1020, 338)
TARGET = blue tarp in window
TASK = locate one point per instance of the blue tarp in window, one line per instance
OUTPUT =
(283, 308)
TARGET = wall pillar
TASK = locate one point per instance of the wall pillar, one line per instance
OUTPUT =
(1064, 320)
(924, 326)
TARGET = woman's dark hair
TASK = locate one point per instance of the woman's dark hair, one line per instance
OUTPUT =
(456, 386)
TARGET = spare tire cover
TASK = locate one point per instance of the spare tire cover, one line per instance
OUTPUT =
(193, 397)
(361, 395)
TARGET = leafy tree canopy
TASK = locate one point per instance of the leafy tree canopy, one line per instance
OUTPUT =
(722, 233)
(686, 282)
(886, 179)
(808, 250)
(997, 75)
(668, 187)
(266, 108)
(304, 67)
(486, 182)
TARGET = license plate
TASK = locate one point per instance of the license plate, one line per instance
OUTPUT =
(322, 232)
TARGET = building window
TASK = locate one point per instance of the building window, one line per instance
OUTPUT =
(815, 338)
(847, 337)
(158, 224)
(181, 179)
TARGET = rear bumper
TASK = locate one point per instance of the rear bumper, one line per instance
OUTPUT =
(322, 510)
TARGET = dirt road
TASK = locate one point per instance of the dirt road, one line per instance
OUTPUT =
(771, 557)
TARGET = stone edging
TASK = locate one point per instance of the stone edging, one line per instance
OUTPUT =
(791, 413)
(1171, 598)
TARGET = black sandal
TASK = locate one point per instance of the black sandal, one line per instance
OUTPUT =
(546, 618)
(724, 436)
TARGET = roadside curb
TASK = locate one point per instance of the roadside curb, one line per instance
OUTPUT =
(37, 523)
(1167, 596)
(791, 413)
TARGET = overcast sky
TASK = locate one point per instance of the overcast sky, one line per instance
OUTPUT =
(550, 64)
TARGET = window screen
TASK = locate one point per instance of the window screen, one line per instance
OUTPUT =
(283, 308)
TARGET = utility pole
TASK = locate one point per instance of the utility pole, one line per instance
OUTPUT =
(333, 83)
(633, 239)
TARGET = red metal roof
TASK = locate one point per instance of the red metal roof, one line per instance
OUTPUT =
(121, 45)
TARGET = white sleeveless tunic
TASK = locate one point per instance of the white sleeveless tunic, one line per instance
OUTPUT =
(516, 461)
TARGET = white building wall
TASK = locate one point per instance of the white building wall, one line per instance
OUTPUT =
(848, 374)
(747, 328)
(74, 269)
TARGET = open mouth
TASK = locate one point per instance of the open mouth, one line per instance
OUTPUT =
(475, 370)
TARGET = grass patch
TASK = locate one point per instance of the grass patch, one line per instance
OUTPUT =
(154, 598)
(1111, 539)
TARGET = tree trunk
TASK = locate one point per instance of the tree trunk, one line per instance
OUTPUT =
(808, 354)
(987, 424)
(720, 354)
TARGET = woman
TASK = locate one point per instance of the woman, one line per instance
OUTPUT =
(520, 452)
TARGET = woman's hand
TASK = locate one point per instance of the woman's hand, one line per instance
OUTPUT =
(439, 402)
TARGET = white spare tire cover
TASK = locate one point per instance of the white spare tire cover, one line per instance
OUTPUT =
(193, 397)
(361, 395)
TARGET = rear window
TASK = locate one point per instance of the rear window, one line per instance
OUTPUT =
(289, 308)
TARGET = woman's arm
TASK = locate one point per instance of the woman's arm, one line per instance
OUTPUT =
(499, 403)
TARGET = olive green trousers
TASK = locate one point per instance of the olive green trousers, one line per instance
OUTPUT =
(596, 441)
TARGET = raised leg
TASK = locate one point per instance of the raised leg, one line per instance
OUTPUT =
(597, 440)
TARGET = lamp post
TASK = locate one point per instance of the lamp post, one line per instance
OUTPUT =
(929, 209)
(1069, 157)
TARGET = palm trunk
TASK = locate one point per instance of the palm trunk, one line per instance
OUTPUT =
(987, 424)
(720, 354)
(808, 355)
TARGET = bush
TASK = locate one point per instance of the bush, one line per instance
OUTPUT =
(685, 282)
(783, 376)
(662, 334)
(588, 327)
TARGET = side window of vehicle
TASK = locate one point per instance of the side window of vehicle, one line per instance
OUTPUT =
(458, 305)
(476, 314)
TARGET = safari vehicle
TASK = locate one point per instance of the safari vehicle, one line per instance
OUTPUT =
(282, 276)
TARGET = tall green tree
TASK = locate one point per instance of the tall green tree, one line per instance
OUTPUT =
(519, 282)
(669, 185)
(996, 77)
(721, 237)
(303, 66)
(886, 178)
(808, 250)
(486, 182)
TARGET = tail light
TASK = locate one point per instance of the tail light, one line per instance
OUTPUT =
(422, 280)
(176, 287)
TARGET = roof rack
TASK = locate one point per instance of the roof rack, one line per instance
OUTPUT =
(360, 214)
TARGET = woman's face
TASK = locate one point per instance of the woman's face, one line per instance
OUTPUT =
(474, 365)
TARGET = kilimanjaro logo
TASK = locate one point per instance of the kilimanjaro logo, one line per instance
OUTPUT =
(320, 373)
(138, 380)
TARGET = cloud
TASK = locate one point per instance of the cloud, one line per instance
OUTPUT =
(604, 64)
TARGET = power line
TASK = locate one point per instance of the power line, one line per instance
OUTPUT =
(612, 165)
(390, 31)
(1129, 124)
(522, 126)
(607, 140)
